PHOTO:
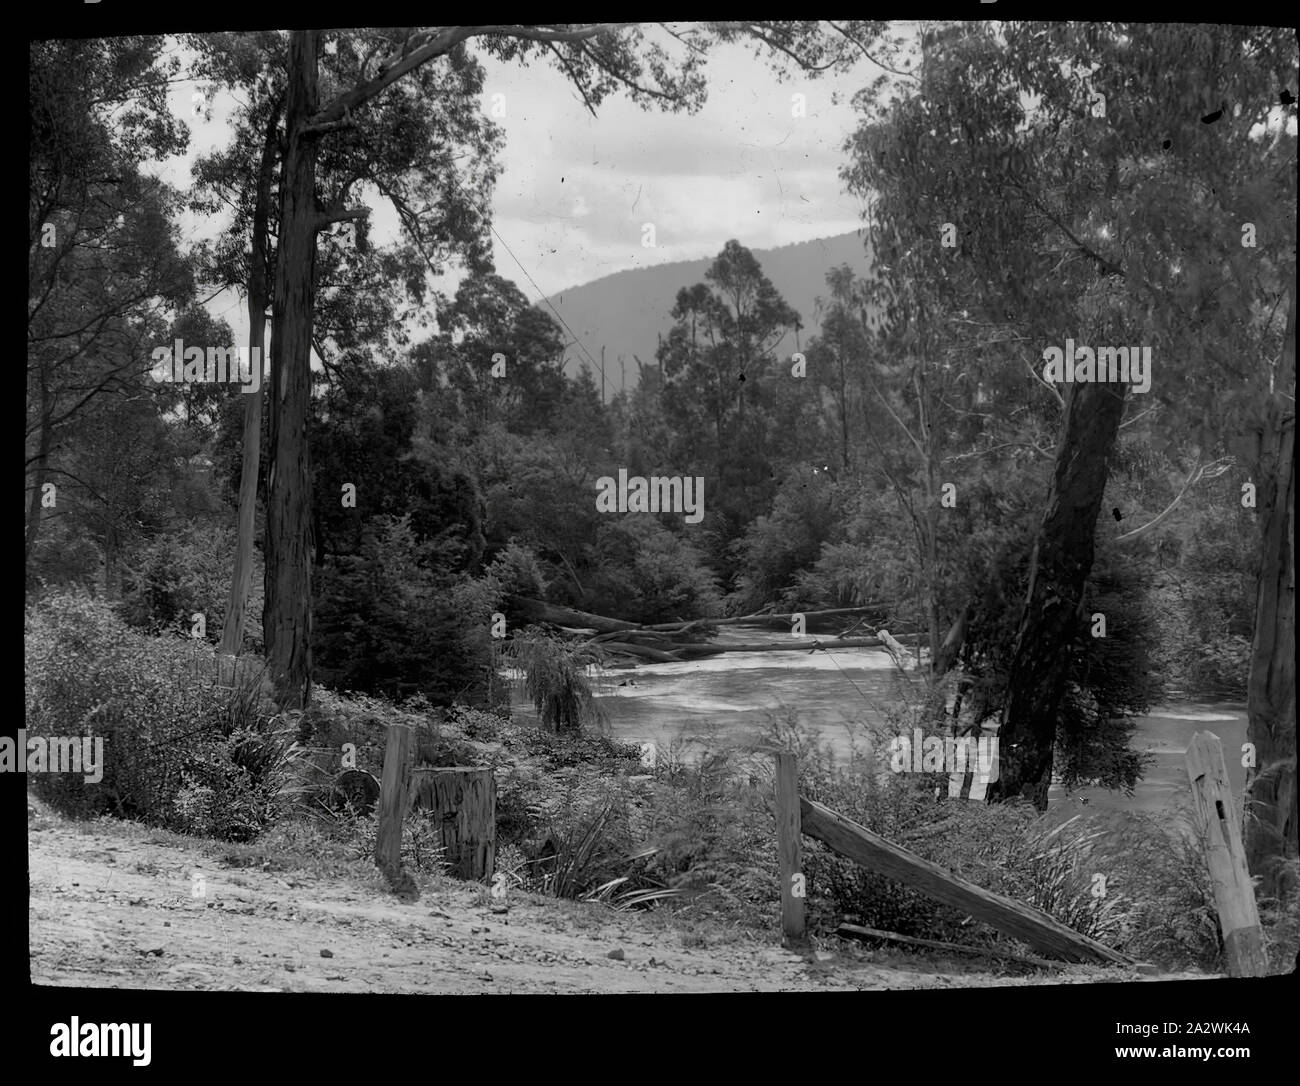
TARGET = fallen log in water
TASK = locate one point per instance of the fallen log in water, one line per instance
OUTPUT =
(634, 635)
(762, 618)
(541, 611)
(675, 652)
(644, 651)
(538, 611)
(802, 645)
(657, 642)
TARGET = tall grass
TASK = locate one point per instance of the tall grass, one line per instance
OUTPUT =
(557, 677)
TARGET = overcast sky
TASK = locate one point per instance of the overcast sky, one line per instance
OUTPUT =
(576, 190)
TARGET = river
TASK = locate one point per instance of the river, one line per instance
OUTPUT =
(727, 700)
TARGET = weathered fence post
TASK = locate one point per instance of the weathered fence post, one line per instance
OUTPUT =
(464, 806)
(1234, 894)
(789, 849)
(392, 800)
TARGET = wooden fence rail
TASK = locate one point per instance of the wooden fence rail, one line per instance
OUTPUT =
(1032, 926)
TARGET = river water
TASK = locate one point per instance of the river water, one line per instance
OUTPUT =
(728, 700)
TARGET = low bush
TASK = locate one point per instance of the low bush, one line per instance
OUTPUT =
(185, 747)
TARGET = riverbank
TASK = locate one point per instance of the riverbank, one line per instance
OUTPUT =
(112, 905)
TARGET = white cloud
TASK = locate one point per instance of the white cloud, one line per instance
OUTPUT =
(576, 189)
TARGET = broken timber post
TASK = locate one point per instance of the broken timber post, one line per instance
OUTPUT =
(392, 800)
(1044, 933)
(464, 806)
(1234, 893)
(789, 849)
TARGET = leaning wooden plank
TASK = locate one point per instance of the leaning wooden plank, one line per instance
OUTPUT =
(1013, 918)
(1234, 893)
(855, 931)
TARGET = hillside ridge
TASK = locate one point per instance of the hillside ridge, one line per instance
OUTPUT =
(626, 311)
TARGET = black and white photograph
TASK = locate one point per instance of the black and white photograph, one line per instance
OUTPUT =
(661, 509)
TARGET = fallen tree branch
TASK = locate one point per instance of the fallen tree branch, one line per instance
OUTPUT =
(677, 651)
(765, 618)
(538, 611)
(644, 651)
(854, 931)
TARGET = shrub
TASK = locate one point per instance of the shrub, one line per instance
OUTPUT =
(179, 573)
(1207, 598)
(967, 839)
(555, 677)
(649, 574)
(1157, 864)
(395, 620)
(777, 548)
(1055, 869)
(515, 571)
(183, 748)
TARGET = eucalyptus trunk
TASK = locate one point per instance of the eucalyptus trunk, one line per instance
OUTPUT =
(1052, 618)
(287, 621)
(1271, 782)
(232, 633)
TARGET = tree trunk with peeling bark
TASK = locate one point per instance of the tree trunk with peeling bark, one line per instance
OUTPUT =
(1052, 619)
(232, 633)
(1270, 792)
(287, 616)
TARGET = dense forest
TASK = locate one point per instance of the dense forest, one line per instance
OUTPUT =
(419, 470)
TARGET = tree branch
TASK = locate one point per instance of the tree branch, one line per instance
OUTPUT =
(1046, 384)
(750, 29)
(327, 216)
(1004, 445)
(441, 44)
(863, 49)
(320, 129)
(901, 424)
(1139, 415)
(1109, 266)
(1201, 471)
(573, 77)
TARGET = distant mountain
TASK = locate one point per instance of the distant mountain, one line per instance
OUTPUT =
(626, 312)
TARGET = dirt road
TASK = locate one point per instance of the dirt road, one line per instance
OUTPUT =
(115, 905)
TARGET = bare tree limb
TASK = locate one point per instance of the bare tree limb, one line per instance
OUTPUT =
(1139, 415)
(1004, 445)
(753, 31)
(340, 214)
(1201, 471)
(1046, 384)
(1109, 266)
(573, 77)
